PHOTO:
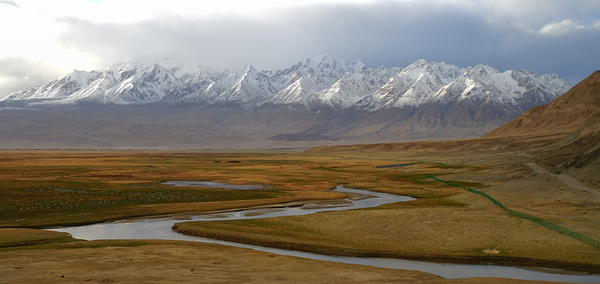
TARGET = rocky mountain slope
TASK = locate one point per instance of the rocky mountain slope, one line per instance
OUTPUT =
(561, 116)
(320, 99)
(570, 127)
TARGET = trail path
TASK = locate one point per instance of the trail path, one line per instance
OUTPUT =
(569, 181)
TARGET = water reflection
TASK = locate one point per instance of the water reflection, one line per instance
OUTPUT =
(161, 229)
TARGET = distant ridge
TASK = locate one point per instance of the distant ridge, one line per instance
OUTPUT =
(562, 116)
(159, 103)
(313, 84)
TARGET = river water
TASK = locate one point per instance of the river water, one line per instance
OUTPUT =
(161, 229)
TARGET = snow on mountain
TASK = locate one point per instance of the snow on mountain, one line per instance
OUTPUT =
(57, 89)
(321, 81)
(95, 90)
(427, 82)
(520, 89)
(306, 78)
(195, 80)
(539, 88)
(480, 83)
(413, 86)
(139, 84)
(351, 88)
(250, 86)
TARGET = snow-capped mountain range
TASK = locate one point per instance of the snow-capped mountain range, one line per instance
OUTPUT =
(319, 101)
(314, 83)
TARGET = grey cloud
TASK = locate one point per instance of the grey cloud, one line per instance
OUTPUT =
(18, 73)
(23, 67)
(11, 84)
(384, 33)
(534, 14)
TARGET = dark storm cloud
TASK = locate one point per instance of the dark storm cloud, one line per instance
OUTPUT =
(383, 33)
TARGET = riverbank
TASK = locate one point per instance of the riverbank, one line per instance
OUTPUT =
(549, 266)
(442, 222)
(414, 232)
(462, 227)
(161, 262)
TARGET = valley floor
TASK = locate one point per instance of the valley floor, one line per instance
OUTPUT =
(444, 222)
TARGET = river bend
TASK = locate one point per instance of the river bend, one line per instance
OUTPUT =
(161, 229)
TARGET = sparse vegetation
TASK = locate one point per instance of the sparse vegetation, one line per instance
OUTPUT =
(23, 205)
(46, 188)
(30, 237)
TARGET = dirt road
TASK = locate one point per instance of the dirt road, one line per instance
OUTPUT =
(567, 180)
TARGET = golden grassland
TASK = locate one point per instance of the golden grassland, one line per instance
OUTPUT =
(161, 262)
(444, 223)
(52, 188)
(439, 233)
(18, 237)
(61, 188)
(46, 188)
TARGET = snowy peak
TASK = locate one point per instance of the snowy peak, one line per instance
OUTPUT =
(549, 83)
(432, 69)
(139, 84)
(318, 82)
(309, 77)
(351, 88)
(57, 89)
(481, 71)
(412, 86)
(249, 85)
(509, 88)
(424, 82)
(327, 66)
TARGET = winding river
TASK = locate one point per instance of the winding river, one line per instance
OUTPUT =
(161, 229)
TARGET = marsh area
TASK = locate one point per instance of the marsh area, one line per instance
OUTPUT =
(442, 223)
(161, 230)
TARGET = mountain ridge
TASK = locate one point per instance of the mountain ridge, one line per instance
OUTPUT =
(316, 101)
(322, 81)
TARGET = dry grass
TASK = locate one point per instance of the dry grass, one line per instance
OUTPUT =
(161, 262)
(444, 223)
(29, 237)
(424, 233)
(48, 188)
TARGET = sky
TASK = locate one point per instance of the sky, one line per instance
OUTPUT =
(42, 40)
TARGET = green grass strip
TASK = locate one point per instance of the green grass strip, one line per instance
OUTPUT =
(545, 223)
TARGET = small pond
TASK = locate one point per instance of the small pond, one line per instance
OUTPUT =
(213, 184)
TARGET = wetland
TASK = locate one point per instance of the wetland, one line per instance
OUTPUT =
(67, 188)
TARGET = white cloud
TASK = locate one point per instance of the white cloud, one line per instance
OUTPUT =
(34, 34)
(561, 28)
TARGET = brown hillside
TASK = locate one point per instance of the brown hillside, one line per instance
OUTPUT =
(578, 154)
(563, 115)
